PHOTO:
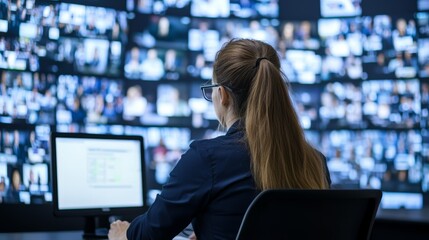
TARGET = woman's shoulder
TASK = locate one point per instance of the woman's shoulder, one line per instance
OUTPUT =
(232, 140)
(207, 143)
(218, 146)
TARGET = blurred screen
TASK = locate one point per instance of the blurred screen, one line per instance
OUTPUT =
(423, 5)
(87, 37)
(385, 160)
(254, 8)
(391, 104)
(172, 100)
(358, 80)
(306, 101)
(390, 47)
(210, 8)
(423, 43)
(340, 8)
(86, 100)
(425, 159)
(27, 98)
(160, 6)
(341, 106)
(24, 165)
(155, 64)
(342, 42)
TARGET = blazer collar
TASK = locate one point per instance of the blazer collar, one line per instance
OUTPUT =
(235, 127)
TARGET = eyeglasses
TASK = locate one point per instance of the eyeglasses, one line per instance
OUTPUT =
(207, 91)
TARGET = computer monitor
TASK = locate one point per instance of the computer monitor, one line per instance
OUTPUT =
(97, 176)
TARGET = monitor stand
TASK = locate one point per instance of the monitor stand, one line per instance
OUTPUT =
(91, 229)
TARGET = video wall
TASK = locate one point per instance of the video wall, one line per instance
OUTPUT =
(359, 75)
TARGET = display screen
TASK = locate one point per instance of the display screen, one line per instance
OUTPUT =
(343, 8)
(358, 76)
(110, 169)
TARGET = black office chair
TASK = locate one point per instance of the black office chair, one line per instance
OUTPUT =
(311, 214)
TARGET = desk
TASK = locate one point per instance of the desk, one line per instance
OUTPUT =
(66, 235)
(63, 235)
(401, 224)
(420, 216)
(389, 224)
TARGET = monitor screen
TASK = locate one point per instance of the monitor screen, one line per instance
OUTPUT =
(97, 175)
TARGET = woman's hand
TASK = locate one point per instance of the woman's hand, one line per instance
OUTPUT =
(192, 236)
(118, 230)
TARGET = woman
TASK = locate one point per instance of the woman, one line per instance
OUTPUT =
(264, 148)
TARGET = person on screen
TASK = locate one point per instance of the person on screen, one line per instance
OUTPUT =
(4, 10)
(401, 29)
(287, 34)
(132, 67)
(425, 93)
(144, 6)
(396, 63)
(304, 38)
(210, 8)
(380, 67)
(152, 67)
(2, 186)
(14, 146)
(170, 103)
(12, 195)
(17, 15)
(199, 68)
(78, 113)
(214, 182)
(31, 179)
(411, 62)
(163, 28)
(95, 58)
(160, 162)
(49, 16)
(109, 112)
(91, 28)
(353, 67)
(79, 56)
(171, 63)
(116, 32)
(134, 104)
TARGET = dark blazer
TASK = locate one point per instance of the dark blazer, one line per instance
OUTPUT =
(211, 185)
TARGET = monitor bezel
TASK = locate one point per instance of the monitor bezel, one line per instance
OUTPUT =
(88, 212)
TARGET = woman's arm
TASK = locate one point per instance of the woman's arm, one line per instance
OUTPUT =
(186, 192)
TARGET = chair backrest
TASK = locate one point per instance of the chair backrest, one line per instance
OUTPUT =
(311, 214)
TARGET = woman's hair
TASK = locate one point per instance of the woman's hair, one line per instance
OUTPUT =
(281, 156)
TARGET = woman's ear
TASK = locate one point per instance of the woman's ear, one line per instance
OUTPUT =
(224, 96)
